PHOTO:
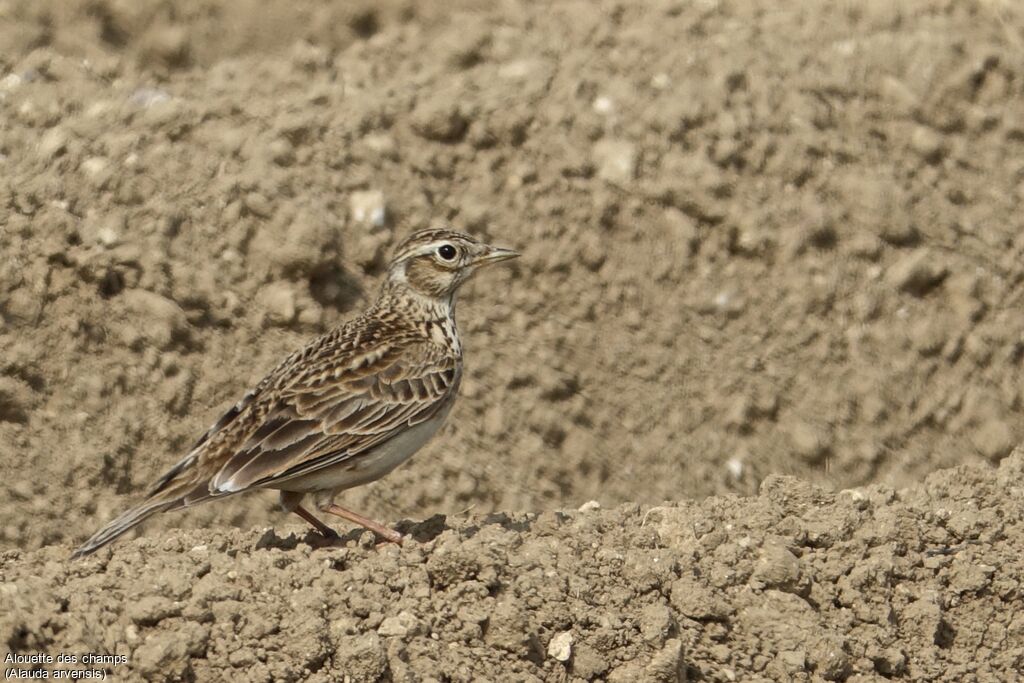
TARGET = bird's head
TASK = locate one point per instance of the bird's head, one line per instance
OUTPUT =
(433, 263)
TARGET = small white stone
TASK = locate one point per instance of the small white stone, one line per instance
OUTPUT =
(735, 467)
(604, 105)
(661, 81)
(10, 82)
(94, 166)
(381, 144)
(52, 143)
(616, 160)
(518, 70)
(404, 624)
(98, 110)
(560, 647)
(368, 207)
(148, 97)
(107, 236)
(589, 506)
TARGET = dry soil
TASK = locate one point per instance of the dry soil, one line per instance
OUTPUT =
(759, 238)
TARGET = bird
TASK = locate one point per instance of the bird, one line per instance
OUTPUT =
(345, 409)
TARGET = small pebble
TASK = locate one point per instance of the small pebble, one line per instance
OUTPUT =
(918, 273)
(53, 143)
(809, 442)
(258, 205)
(927, 143)
(278, 303)
(560, 647)
(439, 120)
(368, 207)
(616, 160)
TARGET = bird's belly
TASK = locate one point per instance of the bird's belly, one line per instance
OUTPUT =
(368, 466)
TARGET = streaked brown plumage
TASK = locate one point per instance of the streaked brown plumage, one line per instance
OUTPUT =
(345, 409)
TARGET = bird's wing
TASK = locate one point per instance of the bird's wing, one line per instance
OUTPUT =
(337, 411)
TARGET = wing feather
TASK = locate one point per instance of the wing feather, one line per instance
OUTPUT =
(317, 424)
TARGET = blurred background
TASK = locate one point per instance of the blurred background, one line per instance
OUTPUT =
(755, 240)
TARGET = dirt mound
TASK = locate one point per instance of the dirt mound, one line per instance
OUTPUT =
(792, 584)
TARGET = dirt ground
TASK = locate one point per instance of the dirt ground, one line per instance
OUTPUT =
(794, 584)
(757, 241)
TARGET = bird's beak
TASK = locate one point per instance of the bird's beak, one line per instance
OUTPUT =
(494, 255)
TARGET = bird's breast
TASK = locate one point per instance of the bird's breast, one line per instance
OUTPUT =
(445, 334)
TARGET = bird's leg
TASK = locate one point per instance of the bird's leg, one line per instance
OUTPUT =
(327, 531)
(365, 522)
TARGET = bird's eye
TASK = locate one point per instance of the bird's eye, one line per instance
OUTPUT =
(446, 251)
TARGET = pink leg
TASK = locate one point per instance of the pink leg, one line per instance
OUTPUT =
(365, 522)
(327, 531)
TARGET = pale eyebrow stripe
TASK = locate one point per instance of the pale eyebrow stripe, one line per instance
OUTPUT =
(424, 249)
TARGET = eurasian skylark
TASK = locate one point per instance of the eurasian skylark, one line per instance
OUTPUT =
(344, 410)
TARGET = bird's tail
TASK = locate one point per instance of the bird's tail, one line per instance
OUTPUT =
(173, 491)
(124, 523)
